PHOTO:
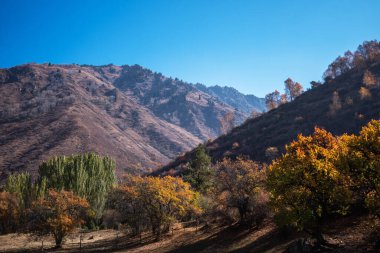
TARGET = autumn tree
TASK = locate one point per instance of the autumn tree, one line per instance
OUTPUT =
(9, 212)
(305, 185)
(226, 123)
(362, 160)
(240, 186)
(272, 100)
(364, 93)
(283, 99)
(292, 89)
(157, 202)
(58, 214)
(369, 79)
(87, 175)
(198, 172)
(366, 54)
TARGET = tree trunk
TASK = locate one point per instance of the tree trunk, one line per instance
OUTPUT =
(58, 241)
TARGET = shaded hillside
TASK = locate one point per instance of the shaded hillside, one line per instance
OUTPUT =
(140, 118)
(232, 97)
(313, 108)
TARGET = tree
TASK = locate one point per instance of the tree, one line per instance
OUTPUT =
(283, 99)
(362, 161)
(25, 192)
(9, 212)
(226, 123)
(292, 89)
(306, 186)
(58, 214)
(240, 186)
(199, 173)
(369, 79)
(364, 93)
(335, 105)
(157, 201)
(272, 100)
(255, 114)
(126, 199)
(87, 175)
(315, 84)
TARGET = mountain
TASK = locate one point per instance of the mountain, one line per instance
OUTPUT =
(140, 118)
(234, 98)
(341, 105)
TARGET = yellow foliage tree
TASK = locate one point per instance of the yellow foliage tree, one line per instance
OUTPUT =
(362, 160)
(58, 214)
(305, 185)
(156, 201)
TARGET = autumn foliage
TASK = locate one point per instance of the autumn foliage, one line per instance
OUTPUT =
(305, 185)
(155, 202)
(58, 214)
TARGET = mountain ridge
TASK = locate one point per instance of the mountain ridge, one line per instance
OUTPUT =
(339, 106)
(140, 118)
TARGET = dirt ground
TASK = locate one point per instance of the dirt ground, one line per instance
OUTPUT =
(348, 234)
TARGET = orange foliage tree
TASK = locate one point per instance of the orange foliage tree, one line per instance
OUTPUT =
(58, 214)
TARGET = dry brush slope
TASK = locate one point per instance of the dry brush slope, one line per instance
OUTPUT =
(282, 125)
(48, 110)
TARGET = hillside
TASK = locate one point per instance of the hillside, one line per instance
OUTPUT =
(140, 118)
(232, 97)
(280, 126)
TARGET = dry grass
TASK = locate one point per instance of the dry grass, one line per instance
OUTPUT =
(351, 234)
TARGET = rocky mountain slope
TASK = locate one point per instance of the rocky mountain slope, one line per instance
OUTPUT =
(140, 118)
(232, 97)
(341, 105)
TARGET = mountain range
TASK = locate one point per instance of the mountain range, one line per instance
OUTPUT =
(140, 118)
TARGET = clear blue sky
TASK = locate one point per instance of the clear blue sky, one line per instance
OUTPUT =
(250, 45)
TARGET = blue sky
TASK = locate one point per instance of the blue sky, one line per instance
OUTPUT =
(250, 45)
